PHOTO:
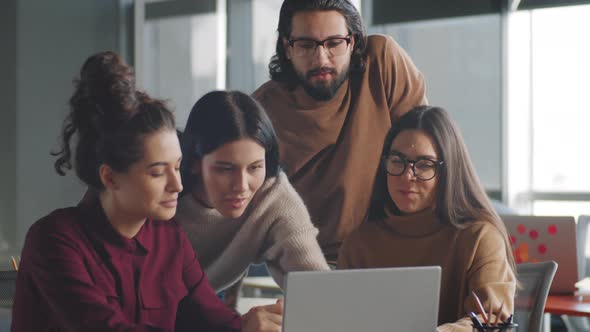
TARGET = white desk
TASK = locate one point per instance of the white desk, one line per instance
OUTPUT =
(245, 303)
(261, 282)
(255, 286)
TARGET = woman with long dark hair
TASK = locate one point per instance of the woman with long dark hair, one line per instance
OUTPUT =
(430, 209)
(238, 206)
(116, 262)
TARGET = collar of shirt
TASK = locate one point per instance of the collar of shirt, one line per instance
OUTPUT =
(104, 236)
(419, 224)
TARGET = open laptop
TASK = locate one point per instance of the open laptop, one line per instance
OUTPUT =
(376, 300)
(541, 238)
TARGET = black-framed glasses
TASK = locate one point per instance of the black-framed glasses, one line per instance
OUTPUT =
(423, 168)
(304, 47)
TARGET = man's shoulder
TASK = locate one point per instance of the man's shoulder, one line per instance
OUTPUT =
(379, 39)
(267, 89)
(377, 44)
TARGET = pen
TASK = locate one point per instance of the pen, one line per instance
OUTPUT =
(14, 265)
(499, 313)
(509, 320)
(480, 307)
(476, 323)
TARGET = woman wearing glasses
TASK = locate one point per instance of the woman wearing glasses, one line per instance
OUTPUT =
(429, 208)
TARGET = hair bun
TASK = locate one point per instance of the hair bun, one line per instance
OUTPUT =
(109, 118)
(109, 80)
(105, 92)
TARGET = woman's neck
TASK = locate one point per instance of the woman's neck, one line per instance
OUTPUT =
(123, 223)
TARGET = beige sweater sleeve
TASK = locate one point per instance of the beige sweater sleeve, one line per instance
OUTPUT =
(402, 79)
(490, 277)
(292, 239)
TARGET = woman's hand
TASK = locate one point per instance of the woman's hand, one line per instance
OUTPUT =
(268, 318)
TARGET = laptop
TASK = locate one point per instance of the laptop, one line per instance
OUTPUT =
(543, 238)
(376, 300)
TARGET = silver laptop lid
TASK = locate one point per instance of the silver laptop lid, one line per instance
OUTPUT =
(386, 299)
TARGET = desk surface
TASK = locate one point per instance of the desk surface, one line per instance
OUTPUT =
(261, 282)
(568, 305)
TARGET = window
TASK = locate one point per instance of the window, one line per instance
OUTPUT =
(176, 66)
(548, 116)
(561, 116)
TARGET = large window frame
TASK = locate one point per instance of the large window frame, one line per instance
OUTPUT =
(520, 192)
(235, 41)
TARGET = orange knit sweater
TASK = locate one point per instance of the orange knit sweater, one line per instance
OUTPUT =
(472, 259)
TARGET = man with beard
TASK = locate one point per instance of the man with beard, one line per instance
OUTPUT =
(333, 95)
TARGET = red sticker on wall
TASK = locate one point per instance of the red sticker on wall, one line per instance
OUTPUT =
(534, 234)
(512, 239)
(542, 249)
(521, 228)
(517, 257)
(552, 229)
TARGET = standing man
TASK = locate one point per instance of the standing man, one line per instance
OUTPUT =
(333, 95)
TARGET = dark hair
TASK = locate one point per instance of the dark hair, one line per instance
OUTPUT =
(110, 119)
(220, 117)
(281, 69)
(460, 197)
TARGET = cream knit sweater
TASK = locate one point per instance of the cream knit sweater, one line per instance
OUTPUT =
(275, 228)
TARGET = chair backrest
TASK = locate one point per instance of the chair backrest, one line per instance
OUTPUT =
(529, 303)
(581, 237)
(7, 288)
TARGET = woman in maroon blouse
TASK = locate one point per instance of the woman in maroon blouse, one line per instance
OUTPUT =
(110, 263)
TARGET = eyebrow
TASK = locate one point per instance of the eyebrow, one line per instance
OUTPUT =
(227, 163)
(161, 163)
(310, 38)
(404, 155)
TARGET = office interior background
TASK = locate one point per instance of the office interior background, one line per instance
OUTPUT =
(512, 73)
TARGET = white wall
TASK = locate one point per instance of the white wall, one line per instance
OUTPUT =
(461, 62)
(7, 122)
(53, 38)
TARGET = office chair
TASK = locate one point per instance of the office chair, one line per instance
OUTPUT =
(529, 303)
(575, 324)
(7, 288)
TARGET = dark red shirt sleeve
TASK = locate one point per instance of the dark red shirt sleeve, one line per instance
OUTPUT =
(202, 298)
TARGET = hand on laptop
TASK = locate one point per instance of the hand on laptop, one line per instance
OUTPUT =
(268, 318)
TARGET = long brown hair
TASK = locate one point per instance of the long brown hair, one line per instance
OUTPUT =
(460, 197)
